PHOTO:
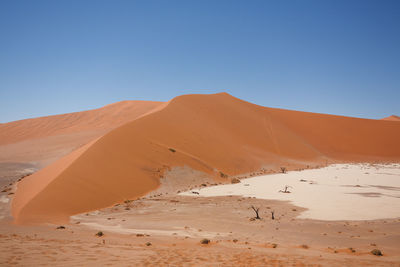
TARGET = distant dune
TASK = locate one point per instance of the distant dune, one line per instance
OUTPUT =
(392, 118)
(215, 134)
(107, 117)
(46, 139)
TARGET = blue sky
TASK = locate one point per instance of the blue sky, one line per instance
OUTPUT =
(336, 57)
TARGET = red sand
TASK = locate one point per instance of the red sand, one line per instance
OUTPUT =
(210, 133)
(107, 117)
(392, 118)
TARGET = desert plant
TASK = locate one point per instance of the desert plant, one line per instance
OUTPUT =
(223, 175)
(148, 244)
(172, 150)
(376, 252)
(99, 234)
(235, 181)
(273, 215)
(286, 189)
(283, 169)
(61, 227)
(205, 241)
(256, 211)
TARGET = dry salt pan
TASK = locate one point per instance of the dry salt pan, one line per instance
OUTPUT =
(337, 192)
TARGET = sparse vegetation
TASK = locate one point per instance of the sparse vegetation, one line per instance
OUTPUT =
(235, 181)
(286, 189)
(172, 150)
(61, 227)
(6, 190)
(352, 250)
(205, 241)
(148, 244)
(223, 175)
(273, 215)
(274, 245)
(256, 211)
(283, 169)
(99, 234)
(304, 246)
(376, 252)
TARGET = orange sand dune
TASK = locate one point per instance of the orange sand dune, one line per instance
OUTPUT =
(209, 133)
(105, 118)
(392, 118)
(43, 140)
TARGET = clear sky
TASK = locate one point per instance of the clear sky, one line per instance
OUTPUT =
(336, 57)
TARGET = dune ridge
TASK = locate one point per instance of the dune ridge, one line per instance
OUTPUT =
(392, 118)
(216, 134)
(41, 141)
(107, 117)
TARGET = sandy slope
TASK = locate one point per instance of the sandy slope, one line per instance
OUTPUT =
(392, 118)
(39, 142)
(213, 134)
(105, 118)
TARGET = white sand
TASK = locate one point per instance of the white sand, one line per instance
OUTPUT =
(337, 192)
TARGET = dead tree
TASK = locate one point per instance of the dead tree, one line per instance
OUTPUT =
(272, 215)
(286, 189)
(256, 211)
(283, 169)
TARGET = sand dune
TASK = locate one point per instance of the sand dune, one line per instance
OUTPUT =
(107, 117)
(215, 134)
(41, 141)
(392, 118)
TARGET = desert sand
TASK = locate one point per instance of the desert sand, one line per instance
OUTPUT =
(218, 135)
(392, 118)
(128, 180)
(35, 143)
(167, 230)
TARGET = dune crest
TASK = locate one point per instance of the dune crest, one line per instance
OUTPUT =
(41, 141)
(107, 117)
(392, 118)
(216, 134)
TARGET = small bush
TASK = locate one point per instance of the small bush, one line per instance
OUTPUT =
(172, 150)
(223, 175)
(235, 181)
(283, 169)
(274, 245)
(305, 246)
(60, 227)
(352, 250)
(205, 241)
(148, 244)
(99, 234)
(376, 252)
